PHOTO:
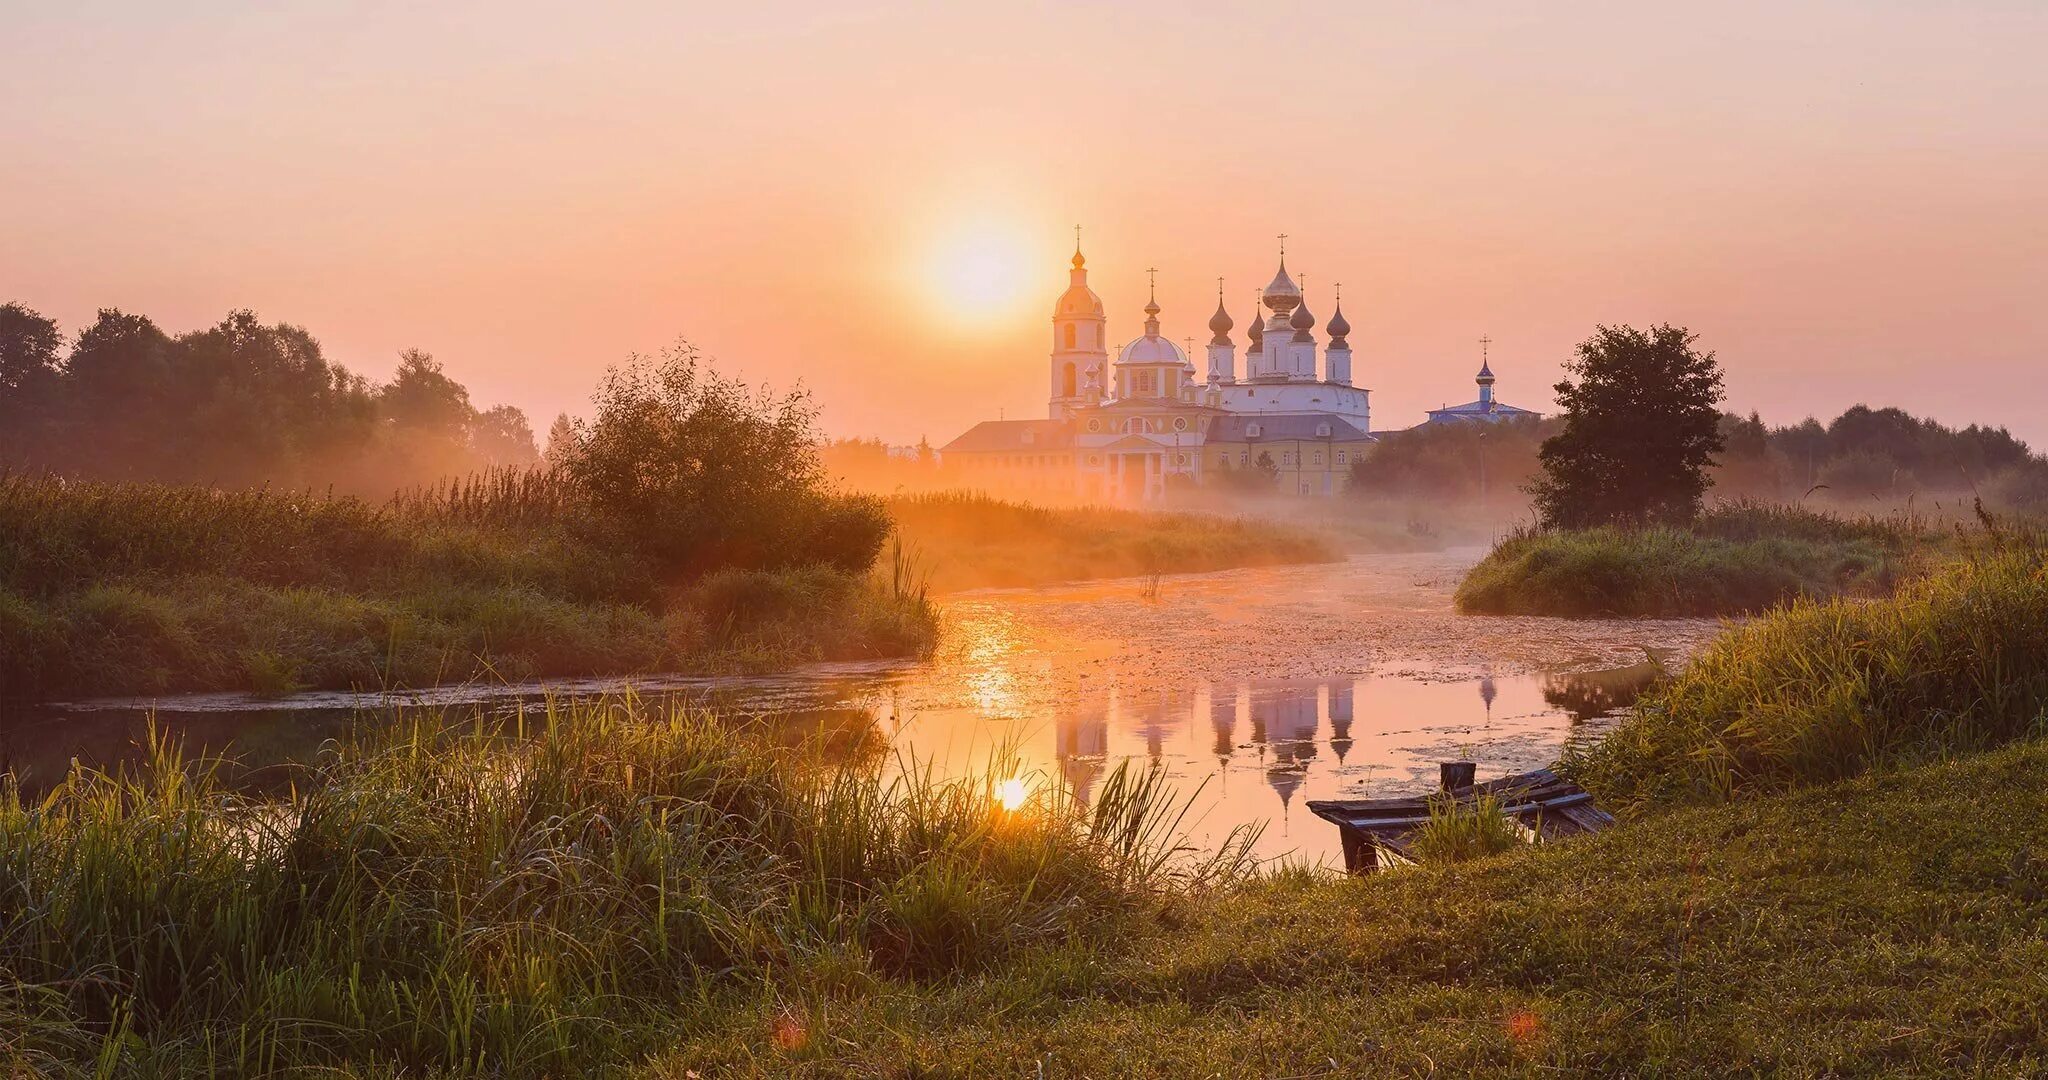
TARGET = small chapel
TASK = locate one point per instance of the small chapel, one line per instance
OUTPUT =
(1132, 428)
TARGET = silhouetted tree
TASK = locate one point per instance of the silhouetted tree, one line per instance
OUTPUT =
(1641, 425)
(501, 436)
(28, 374)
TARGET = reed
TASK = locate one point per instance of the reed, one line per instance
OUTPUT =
(458, 898)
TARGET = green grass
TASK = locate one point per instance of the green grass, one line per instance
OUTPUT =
(1734, 560)
(1954, 663)
(1888, 926)
(1458, 832)
(973, 541)
(439, 899)
(120, 588)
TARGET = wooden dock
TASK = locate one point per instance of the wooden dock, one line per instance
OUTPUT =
(1375, 832)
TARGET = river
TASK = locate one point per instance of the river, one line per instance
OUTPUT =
(1256, 690)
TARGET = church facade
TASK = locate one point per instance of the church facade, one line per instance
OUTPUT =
(1145, 422)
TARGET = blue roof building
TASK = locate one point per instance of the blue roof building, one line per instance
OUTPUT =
(1486, 410)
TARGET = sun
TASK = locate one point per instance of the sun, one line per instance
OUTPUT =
(978, 269)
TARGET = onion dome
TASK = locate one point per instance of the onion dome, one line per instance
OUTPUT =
(1302, 322)
(1338, 328)
(1282, 294)
(1256, 331)
(1219, 323)
(1485, 372)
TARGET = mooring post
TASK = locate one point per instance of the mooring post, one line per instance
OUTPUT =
(1457, 774)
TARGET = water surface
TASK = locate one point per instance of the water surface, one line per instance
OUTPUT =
(1255, 690)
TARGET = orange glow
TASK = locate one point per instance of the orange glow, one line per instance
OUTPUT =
(878, 200)
(1012, 793)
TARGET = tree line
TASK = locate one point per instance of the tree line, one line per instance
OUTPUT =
(1641, 436)
(236, 404)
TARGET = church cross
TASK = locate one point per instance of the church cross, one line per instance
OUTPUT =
(1283, 245)
(1077, 239)
(1483, 343)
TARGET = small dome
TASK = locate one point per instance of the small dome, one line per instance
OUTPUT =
(1302, 322)
(1079, 262)
(1337, 327)
(1256, 329)
(1078, 300)
(1220, 324)
(1485, 371)
(1151, 349)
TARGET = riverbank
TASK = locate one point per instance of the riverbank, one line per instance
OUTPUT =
(686, 897)
(1733, 560)
(137, 588)
(964, 540)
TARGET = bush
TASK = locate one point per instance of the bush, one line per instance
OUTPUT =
(1825, 690)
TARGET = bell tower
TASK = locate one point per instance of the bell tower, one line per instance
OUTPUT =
(1080, 342)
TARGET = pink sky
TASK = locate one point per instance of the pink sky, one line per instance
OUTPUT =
(1844, 200)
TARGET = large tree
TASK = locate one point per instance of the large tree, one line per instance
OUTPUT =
(1641, 424)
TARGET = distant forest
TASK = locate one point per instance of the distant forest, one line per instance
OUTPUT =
(1863, 455)
(238, 404)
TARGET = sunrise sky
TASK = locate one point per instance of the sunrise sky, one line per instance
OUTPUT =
(1844, 199)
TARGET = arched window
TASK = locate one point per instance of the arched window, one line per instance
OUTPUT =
(1070, 335)
(1067, 380)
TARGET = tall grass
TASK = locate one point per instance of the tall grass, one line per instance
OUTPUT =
(1735, 559)
(450, 900)
(131, 588)
(1828, 689)
(974, 541)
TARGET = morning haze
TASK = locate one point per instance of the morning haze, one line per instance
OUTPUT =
(1840, 196)
(1065, 541)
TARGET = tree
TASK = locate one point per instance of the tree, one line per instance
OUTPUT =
(501, 436)
(561, 441)
(698, 471)
(28, 376)
(1641, 425)
(28, 348)
(422, 398)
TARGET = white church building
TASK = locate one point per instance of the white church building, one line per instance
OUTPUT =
(1292, 422)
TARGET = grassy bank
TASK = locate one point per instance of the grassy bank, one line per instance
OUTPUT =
(630, 895)
(1953, 664)
(973, 541)
(1880, 927)
(127, 588)
(440, 899)
(1733, 560)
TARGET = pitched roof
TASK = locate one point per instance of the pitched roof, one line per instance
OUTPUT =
(1233, 428)
(1480, 408)
(1000, 435)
